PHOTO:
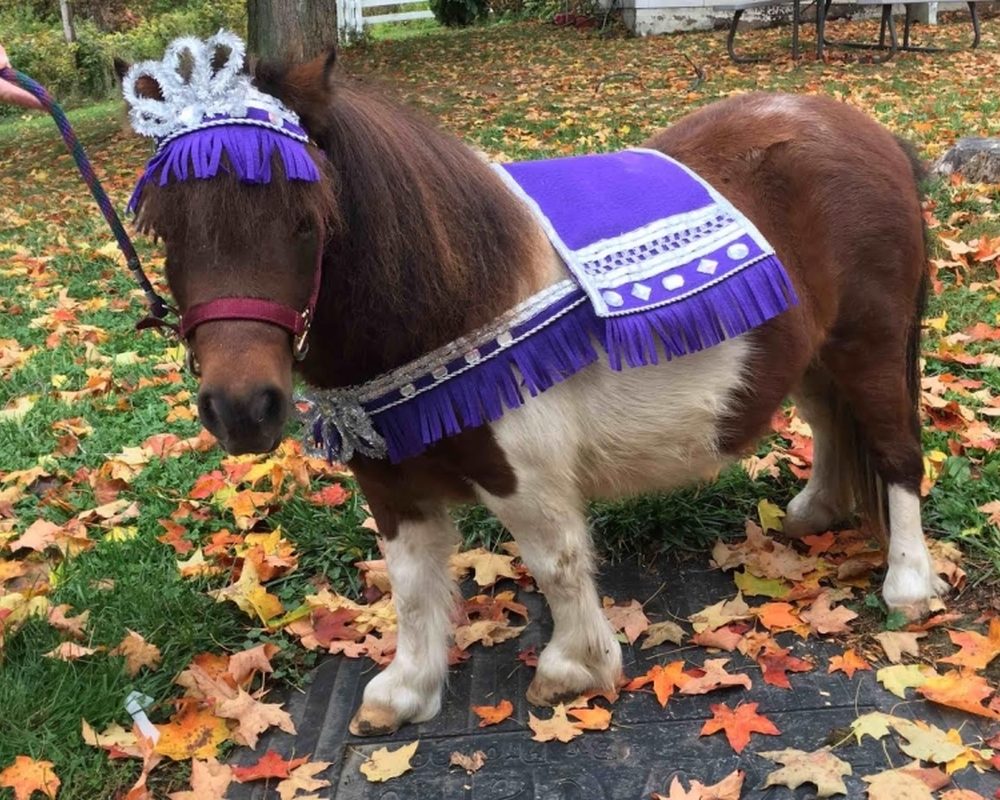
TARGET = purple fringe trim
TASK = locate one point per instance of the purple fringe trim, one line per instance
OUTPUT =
(563, 344)
(248, 149)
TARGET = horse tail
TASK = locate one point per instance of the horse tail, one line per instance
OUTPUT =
(855, 460)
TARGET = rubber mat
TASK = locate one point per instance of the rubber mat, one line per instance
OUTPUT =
(646, 746)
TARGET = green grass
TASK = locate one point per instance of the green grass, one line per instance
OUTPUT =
(520, 90)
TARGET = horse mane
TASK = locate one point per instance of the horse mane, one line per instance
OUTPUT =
(428, 243)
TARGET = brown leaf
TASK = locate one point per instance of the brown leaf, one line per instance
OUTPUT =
(470, 763)
(253, 717)
(729, 788)
(713, 676)
(896, 644)
(629, 619)
(138, 653)
(824, 618)
(660, 632)
(71, 651)
(73, 626)
(896, 785)
(557, 727)
(209, 781)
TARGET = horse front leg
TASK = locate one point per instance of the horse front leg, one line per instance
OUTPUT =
(549, 525)
(409, 689)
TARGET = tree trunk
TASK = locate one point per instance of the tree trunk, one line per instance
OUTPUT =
(292, 30)
(67, 21)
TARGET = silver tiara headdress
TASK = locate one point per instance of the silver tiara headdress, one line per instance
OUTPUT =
(211, 117)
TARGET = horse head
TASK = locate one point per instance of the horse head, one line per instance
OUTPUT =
(243, 200)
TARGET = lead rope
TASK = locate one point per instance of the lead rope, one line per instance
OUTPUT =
(159, 309)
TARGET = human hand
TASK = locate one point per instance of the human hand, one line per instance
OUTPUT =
(11, 93)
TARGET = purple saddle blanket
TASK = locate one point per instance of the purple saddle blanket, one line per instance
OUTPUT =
(660, 263)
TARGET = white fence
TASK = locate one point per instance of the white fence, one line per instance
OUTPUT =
(351, 20)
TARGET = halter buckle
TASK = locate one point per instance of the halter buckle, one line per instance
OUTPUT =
(300, 344)
(191, 361)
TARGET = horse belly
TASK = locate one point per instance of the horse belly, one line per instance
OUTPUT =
(613, 433)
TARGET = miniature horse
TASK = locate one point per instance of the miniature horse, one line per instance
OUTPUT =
(421, 242)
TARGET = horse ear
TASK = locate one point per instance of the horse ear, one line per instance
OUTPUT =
(121, 67)
(305, 88)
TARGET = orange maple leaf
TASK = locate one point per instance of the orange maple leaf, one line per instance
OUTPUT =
(776, 663)
(713, 676)
(977, 650)
(27, 776)
(962, 690)
(738, 724)
(664, 679)
(848, 663)
(192, 733)
(493, 715)
(591, 719)
(779, 617)
(270, 765)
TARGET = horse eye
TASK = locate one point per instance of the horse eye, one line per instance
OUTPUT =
(304, 228)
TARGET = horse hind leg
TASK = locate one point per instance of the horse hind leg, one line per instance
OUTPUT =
(881, 391)
(828, 497)
(549, 525)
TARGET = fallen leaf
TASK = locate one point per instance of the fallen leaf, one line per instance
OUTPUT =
(777, 617)
(848, 663)
(926, 742)
(71, 651)
(628, 618)
(738, 724)
(470, 763)
(719, 614)
(250, 595)
(487, 632)
(209, 781)
(27, 776)
(896, 785)
(557, 727)
(665, 679)
(138, 653)
(253, 717)
(385, 764)
(977, 651)
(729, 788)
(269, 765)
(896, 644)
(487, 567)
(660, 632)
(591, 719)
(824, 618)
(770, 515)
(714, 676)
(963, 690)
(192, 733)
(73, 626)
(493, 715)
(777, 663)
(819, 767)
(303, 779)
(900, 677)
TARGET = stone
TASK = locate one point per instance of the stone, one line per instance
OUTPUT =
(975, 158)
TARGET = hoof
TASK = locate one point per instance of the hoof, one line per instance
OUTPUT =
(374, 720)
(900, 597)
(548, 692)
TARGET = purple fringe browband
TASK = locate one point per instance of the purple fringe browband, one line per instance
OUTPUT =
(249, 150)
(559, 342)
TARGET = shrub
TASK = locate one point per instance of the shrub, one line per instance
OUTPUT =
(459, 12)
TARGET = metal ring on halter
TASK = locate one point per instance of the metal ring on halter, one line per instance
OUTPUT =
(300, 343)
(191, 361)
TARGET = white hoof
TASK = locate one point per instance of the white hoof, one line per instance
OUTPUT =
(911, 588)
(561, 677)
(811, 512)
(392, 700)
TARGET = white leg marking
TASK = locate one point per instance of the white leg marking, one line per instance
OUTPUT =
(910, 580)
(551, 530)
(409, 689)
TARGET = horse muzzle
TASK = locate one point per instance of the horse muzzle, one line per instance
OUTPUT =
(251, 421)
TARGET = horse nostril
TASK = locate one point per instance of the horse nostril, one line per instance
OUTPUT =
(207, 410)
(267, 405)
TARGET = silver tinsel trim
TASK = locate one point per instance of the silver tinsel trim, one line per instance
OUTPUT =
(346, 428)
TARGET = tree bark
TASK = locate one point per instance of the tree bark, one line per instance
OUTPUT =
(291, 30)
(66, 12)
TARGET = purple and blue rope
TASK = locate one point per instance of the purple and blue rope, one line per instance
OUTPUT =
(158, 307)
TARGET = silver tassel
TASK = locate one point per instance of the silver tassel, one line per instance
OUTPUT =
(345, 419)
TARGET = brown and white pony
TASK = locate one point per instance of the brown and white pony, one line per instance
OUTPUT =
(422, 243)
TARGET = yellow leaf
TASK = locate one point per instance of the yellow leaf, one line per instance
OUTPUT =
(27, 776)
(250, 595)
(17, 409)
(385, 764)
(770, 515)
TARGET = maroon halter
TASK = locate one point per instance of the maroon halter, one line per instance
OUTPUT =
(297, 323)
